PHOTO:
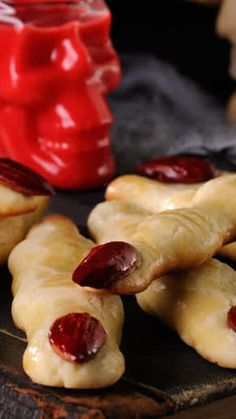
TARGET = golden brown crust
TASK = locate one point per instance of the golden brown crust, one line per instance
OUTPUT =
(15, 203)
(155, 197)
(42, 267)
(172, 240)
(13, 229)
(152, 195)
(196, 304)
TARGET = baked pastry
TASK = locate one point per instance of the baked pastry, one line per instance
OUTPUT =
(73, 335)
(150, 194)
(231, 106)
(226, 20)
(210, 2)
(156, 196)
(165, 183)
(200, 305)
(14, 228)
(24, 197)
(165, 242)
(226, 28)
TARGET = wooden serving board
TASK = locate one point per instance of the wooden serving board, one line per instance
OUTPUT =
(163, 376)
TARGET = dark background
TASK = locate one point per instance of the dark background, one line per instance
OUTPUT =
(179, 32)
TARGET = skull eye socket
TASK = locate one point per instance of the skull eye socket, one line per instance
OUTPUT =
(34, 50)
(58, 50)
(42, 57)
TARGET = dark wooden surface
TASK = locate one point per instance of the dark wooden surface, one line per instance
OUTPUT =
(163, 376)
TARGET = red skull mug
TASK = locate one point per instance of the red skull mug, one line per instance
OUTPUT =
(57, 64)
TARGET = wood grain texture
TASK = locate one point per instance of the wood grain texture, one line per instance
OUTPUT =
(19, 398)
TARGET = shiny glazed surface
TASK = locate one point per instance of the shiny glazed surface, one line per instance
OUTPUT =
(53, 112)
(77, 337)
(178, 169)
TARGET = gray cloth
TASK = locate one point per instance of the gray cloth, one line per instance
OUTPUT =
(159, 111)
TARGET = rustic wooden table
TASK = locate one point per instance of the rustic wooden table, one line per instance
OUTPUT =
(163, 376)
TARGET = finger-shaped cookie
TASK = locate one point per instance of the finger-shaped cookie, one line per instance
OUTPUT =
(18, 187)
(225, 24)
(166, 183)
(200, 304)
(15, 203)
(226, 27)
(73, 335)
(231, 106)
(156, 196)
(165, 242)
(24, 196)
(114, 220)
(14, 229)
(152, 195)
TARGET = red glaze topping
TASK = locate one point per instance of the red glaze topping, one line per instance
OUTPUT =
(77, 337)
(22, 179)
(231, 318)
(105, 264)
(178, 169)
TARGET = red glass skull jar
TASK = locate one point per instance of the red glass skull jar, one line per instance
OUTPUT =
(57, 64)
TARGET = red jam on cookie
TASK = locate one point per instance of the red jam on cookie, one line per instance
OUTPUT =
(231, 318)
(22, 179)
(77, 337)
(105, 264)
(178, 169)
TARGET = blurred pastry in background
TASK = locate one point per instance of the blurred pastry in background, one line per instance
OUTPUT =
(231, 108)
(226, 28)
(213, 2)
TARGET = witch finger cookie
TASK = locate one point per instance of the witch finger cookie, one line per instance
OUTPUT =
(73, 335)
